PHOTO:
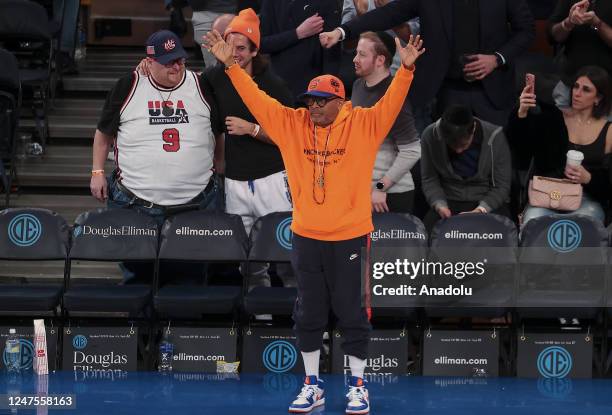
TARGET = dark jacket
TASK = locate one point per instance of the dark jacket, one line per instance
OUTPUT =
(436, 18)
(298, 61)
(245, 157)
(491, 184)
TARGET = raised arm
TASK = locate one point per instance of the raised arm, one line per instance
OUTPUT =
(276, 119)
(379, 119)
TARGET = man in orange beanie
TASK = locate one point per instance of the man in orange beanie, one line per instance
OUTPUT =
(255, 179)
(329, 151)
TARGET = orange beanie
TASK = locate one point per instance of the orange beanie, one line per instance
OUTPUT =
(247, 24)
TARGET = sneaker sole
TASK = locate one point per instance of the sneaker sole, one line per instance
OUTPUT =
(306, 410)
(358, 412)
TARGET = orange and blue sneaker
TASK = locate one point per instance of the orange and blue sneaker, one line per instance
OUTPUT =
(310, 397)
(357, 398)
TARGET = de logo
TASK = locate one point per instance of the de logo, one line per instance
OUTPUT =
(24, 230)
(279, 356)
(554, 362)
(564, 236)
(284, 236)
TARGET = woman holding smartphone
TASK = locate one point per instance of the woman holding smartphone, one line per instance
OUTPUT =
(544, 133)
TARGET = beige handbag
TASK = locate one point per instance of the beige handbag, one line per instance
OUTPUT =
(551, 193)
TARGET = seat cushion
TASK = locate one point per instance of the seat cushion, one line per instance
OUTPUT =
(112, 299)
(29, 297)
(186, 301)
(270, 300)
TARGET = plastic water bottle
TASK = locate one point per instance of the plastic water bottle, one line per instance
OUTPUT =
(13, 352)
(166, 353)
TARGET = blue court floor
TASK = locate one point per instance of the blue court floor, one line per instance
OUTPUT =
(151, 393)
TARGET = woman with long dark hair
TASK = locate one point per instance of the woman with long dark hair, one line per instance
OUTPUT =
(546, 135)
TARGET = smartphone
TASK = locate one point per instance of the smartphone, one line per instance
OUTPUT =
(530, 82)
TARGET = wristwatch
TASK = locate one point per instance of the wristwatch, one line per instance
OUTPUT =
(380, 186)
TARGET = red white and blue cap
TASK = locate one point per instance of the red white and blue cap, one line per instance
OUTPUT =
(164, 46)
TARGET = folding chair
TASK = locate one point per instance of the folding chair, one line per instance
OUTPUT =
(32, 235)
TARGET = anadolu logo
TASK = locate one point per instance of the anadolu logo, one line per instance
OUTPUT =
(26, 353)
(279, 356)
(564, 236)
(24, 230)
(79, 342)
(284, 236)
(554, 362)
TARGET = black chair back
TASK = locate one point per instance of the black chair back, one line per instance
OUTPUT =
(114, 235)
(33, 234)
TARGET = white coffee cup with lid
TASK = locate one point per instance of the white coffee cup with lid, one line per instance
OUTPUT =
(574, 158)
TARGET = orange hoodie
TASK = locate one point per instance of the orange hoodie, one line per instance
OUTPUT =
(354, 138)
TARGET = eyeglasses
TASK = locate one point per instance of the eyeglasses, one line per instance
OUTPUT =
(319, 101)
(179, 62)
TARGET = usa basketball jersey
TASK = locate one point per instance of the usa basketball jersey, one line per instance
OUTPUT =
(165, 144)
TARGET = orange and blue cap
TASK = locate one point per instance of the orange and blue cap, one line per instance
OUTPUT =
(325, 86)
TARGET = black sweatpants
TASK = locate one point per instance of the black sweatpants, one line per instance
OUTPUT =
(329, 276)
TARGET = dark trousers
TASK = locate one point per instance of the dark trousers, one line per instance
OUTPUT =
(457, 207)
(329, 277)
(401, 202)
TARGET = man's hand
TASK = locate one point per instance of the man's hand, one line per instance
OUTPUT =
(475, 210)
(223, 51)
(577, 12)
(310, 27)
(590, 18)
(143, 67)
(379, 201)
(329, 39)
(238, 126)
(480, 66)
(444, 212)
(99, 187)
(409, 54)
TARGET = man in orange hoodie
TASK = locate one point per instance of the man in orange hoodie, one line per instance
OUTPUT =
(329, 151)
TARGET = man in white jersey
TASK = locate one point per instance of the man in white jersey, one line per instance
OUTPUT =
(164, 134)
(162, 127)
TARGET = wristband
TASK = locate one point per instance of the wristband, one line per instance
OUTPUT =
(97, 172)
(255, 131)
